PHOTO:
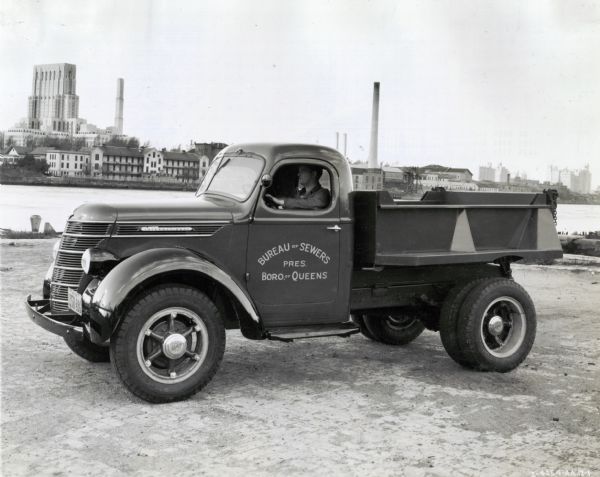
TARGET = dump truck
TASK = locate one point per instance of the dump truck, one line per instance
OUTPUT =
(153, 287)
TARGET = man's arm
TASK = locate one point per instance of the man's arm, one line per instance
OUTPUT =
(275, 200)
(318, 200)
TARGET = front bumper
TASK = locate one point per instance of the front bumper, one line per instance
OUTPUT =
(62, 324)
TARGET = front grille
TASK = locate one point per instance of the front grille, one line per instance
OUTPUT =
(77, 237)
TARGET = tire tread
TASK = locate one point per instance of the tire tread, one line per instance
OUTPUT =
(469, 324)
(449, 317)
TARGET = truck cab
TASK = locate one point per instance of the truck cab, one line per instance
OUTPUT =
(152, 287)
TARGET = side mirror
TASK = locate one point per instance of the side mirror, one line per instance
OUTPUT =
(266, 181)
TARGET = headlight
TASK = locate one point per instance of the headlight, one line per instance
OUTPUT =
(96, 261)
(86, 260)
(55, 249)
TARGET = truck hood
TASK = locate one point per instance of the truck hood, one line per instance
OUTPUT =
(177, 210)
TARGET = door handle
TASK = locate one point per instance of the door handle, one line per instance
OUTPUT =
(335, 228)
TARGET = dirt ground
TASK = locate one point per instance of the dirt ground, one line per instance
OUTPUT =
(316, 407)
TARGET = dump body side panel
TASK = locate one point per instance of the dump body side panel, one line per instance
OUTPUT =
(452, 228)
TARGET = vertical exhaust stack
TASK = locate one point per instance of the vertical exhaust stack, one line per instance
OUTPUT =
(119, 107)
(374, 127)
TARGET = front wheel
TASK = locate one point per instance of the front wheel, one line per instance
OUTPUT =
(393, 328)
(169, 345)
(496, 326)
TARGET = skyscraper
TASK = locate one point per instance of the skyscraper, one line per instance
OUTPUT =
(53, 104)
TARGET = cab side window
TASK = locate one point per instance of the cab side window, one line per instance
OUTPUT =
(300, 186)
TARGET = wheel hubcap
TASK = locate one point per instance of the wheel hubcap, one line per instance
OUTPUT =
(503, 327)
(172, 345)
(496, 325)
(399, 322)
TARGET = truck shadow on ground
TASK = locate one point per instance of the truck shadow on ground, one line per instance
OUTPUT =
(357, 361)
(354, 364)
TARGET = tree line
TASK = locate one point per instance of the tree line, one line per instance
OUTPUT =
(72, 144)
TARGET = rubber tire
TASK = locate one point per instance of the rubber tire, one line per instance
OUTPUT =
(469, 322)
(124, 341)
(87, 350)
(377, 326)
(449, 318)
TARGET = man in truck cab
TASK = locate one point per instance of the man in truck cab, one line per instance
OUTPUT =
(309, 194)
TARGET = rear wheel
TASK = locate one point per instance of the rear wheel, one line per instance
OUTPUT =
(449, 318)
(496, 326)
(84, 348)
(393, 328)
(169, 345)
(359, 320)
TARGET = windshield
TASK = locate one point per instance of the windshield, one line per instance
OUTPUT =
(233, 176)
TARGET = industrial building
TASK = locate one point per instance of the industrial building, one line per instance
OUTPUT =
(53, 110)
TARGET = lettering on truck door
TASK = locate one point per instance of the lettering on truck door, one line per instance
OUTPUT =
(294, 258)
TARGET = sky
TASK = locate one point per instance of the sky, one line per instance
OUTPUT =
(463, 83)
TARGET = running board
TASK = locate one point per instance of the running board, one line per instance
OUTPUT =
(291, 333)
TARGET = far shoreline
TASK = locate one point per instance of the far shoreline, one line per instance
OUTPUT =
(99, 184)
(179, 187)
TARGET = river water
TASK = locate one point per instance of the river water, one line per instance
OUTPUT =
(55, 204)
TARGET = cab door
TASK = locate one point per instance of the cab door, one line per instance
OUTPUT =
(293, 261)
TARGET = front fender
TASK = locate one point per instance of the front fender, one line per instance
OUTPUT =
(131, 272)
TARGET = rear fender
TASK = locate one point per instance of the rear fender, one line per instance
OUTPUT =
(114, 290)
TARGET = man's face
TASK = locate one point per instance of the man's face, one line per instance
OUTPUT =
(305, 176)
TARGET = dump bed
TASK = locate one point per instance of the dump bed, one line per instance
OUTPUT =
(447, 227)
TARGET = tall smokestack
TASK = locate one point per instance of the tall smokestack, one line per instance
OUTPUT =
(345, 144)
(374, 127)
(119, 106)
(337, 141)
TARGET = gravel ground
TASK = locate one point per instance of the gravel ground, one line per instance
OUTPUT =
(315, 407)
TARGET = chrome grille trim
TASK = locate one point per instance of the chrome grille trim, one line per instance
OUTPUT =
(58, 292)
(84, 235)
(165, 235)
(173, 223)
(58, 306)
(87, 228)
(68, 261)
(62, 267)
(66, 276)
(78, 243)
(67, 284)
(196, 229)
